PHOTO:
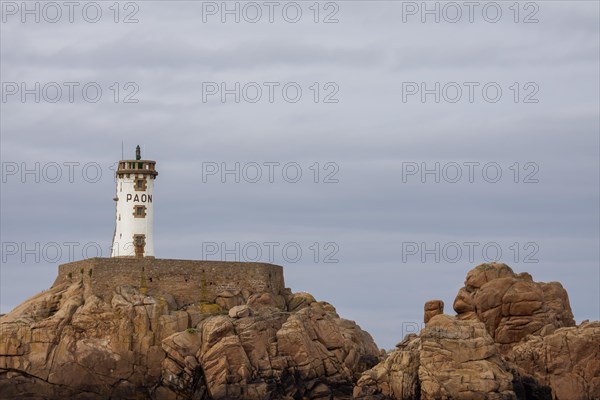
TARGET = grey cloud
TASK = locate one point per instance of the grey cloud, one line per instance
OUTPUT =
(369, 134)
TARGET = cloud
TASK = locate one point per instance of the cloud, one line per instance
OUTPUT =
(368, 136)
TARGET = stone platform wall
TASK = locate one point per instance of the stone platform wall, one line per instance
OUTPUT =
(188, 281)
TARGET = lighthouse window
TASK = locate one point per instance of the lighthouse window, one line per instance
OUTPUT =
(140, 184)
(139, 211)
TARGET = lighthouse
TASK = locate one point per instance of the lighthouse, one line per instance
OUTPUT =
(135, 211)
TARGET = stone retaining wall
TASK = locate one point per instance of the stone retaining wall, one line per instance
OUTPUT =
(189, 281)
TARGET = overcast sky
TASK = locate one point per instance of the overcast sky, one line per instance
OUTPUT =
(369, 135)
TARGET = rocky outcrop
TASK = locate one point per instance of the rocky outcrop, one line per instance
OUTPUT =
(68, 343)
(567, 360)
(450, 359)
(397, 377)
(513, 338)
(459, 359)
(432, 308)
(512, 305)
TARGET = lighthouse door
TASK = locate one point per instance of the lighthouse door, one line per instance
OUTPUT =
(139, 241)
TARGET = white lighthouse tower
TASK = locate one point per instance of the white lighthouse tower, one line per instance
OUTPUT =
(135, 211)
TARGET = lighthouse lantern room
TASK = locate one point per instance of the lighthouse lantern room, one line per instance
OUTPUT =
(135, 210)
